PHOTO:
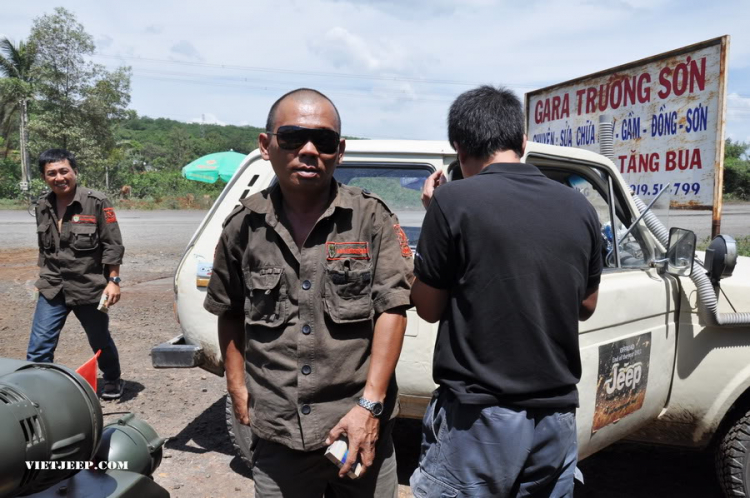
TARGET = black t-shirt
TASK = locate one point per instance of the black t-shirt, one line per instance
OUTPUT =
(516, 251)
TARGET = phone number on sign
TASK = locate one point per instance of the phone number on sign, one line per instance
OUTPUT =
(676, 188)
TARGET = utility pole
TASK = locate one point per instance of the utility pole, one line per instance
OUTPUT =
(203, 121)
(25, 172)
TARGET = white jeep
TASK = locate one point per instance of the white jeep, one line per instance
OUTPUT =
(664, 357)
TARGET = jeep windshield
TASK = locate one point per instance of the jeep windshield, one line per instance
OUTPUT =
(399, 185)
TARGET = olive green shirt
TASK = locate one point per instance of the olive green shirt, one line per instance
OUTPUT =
(310, 312)
(73, 260)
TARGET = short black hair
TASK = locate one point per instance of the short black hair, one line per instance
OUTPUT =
(486, 120)
(55, 156)
(271, 120)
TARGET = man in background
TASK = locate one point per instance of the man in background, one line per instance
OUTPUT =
(508, 261)
(80, 252)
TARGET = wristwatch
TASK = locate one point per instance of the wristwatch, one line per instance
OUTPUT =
(374, 407)
(115, 280)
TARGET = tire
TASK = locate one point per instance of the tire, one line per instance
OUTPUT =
(732, 458)
(240, 435)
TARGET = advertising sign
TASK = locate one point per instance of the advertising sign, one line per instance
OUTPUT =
(623, 379)
(668, 113)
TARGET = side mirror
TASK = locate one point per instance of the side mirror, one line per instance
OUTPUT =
(681, 252)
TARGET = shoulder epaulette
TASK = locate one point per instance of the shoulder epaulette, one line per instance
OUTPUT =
(237, 209)
(96, 194)
(367, 193)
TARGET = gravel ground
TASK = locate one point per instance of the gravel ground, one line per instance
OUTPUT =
(188, 405)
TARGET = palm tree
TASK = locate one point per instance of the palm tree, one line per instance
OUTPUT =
(16, 65)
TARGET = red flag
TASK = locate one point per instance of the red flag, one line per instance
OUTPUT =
(89, 370)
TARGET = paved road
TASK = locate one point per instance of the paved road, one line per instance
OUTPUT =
(140, 229)
(165, 229)
(735, 220)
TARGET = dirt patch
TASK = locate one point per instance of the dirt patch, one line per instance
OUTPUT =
(187, 405)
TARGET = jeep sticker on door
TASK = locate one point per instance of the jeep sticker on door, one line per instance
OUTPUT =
(623, 377)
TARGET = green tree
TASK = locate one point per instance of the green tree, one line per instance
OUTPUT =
(17, 65)
(735, 150)
(79, 103)
(736, 170)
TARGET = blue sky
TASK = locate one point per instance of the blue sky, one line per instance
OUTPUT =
(392, 66)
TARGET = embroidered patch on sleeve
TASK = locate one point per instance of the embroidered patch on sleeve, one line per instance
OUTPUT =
(347, 250)
(403, 240)
(83, 218)
(109, 215)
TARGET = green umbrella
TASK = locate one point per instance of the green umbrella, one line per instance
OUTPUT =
(211, 168)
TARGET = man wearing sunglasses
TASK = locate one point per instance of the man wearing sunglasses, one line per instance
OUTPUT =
(311, 283)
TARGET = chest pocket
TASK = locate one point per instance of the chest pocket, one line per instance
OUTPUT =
(84, 237)
(267, 301)
(348, 291)
(44, 235)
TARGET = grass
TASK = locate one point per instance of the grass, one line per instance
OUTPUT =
(166, 202)
(14, 204)
(743, 245)
(145, 204)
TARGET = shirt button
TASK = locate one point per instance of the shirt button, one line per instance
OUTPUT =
(306, 409)
(306, 285)
(306, 329)
(306, 369)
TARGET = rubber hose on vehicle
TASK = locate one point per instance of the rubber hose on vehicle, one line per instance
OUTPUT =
(708, 302)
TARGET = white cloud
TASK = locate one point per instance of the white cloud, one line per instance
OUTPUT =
(185, 48)
(104, 42)
(350, 52)
(738, 108)
(419, 9)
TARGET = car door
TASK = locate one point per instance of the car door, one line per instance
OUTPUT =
(628, 345)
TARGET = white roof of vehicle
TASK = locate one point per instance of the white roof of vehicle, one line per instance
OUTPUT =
(442, 147)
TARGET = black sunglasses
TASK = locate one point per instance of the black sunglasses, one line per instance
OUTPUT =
(294, 137)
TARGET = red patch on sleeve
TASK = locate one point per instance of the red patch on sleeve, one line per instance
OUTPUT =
(109, 215)
(403, 240)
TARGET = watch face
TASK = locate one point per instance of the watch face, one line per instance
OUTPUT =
(377, 409)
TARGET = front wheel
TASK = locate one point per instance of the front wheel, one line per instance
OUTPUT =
(732, 457)
(240, 435)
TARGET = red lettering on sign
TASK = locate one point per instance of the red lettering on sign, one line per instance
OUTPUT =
(664, 75)
(697, 76)
(579, 95)
(644, 90)
(641, 163)
(684, 159)
(552, 109)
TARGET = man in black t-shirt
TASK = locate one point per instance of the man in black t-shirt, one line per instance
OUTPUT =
(508, 261)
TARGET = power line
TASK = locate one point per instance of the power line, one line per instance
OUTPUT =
(292, 71)
(239, 83)
(321, 73)
(245, 82)
(369, 96)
